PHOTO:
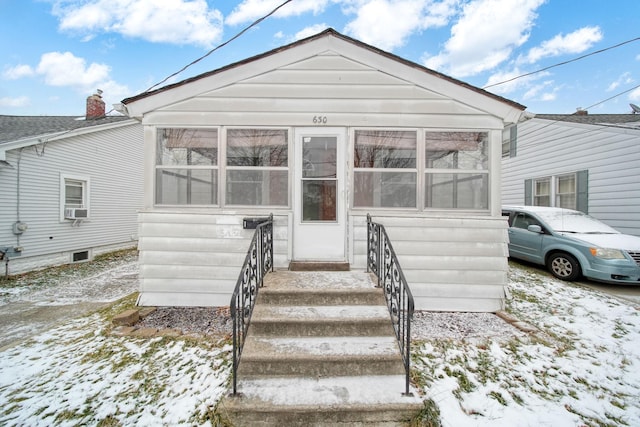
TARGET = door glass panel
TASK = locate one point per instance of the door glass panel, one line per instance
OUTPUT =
(319, 200)
(319, 179)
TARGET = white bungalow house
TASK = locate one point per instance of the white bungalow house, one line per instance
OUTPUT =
(321, 133)
(588, 162)
(70, 187)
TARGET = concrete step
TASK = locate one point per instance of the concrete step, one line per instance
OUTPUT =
(331, 321)
(328, 401)
(310, 296)
(318, 266)
(321, 356)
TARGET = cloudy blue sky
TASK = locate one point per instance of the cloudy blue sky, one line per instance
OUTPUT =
(54, 53)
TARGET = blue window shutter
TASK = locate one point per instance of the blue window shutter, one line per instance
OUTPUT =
(528, 192)
(582, 191)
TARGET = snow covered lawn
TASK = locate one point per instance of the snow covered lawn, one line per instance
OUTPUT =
(78, 374)
(581, 369)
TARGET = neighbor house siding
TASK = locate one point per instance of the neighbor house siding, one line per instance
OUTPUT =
(452, 264)
(610, 154)
(112, 162)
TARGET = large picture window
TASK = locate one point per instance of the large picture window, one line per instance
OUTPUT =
(456, 170)
(257, 167)
(187, 167)
(385, 169)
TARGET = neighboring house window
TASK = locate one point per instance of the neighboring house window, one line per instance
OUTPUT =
(570, 191)
(385, 169)
(456, 170)
(566, 191)
(542, 190)
(257, 167)
(187, 167)
(509, 139)
(74, 194)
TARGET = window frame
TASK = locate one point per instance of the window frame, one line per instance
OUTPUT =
(221, 167)
(85, 182)
(460, 174)
(550, 185)
(415, 170)
(157, 167)
(225, 167)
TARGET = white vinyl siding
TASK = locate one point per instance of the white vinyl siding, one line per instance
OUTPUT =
(111, 158)
(451, 264)
(194, 259)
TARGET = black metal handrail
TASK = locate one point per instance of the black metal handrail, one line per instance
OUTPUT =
(383, 262)
(257, 263)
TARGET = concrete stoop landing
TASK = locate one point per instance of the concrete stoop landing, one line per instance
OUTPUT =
(320, 351)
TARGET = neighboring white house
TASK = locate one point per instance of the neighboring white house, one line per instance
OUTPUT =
(588, 162)
(320, 133)
(71, 187)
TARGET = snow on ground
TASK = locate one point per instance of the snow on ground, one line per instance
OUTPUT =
(78, 374)
(581, 369)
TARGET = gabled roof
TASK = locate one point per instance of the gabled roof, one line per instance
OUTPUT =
(330, 32)
(592, 119)
(15, 128)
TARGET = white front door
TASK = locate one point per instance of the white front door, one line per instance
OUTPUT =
(319, 220)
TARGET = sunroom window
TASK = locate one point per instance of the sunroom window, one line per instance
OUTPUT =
(187, 167)
(456, 170)
(385, 170)
(257, 167)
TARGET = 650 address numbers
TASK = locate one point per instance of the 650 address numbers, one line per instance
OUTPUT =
(320, 120)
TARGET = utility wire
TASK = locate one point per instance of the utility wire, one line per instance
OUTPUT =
(601, 125)
(253, 24)
(563, 63)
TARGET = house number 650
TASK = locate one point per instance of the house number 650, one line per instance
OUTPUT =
(321, 120)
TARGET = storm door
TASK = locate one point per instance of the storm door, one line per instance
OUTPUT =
(319, 231)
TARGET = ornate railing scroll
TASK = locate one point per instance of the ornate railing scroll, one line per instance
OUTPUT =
(383, 262)
(257, 263)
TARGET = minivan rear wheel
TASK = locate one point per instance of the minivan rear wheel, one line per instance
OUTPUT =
(563, 266)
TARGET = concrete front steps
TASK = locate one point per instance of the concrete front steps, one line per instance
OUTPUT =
(321, 351)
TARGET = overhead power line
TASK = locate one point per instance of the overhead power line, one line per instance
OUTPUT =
(562, 63)
(253, 24)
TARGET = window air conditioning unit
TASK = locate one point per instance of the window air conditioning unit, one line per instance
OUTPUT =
(76, 213)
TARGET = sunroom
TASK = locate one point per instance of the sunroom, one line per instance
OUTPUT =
(319, 134)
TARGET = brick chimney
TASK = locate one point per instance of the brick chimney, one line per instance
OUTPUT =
(95, 106)
(581, 112)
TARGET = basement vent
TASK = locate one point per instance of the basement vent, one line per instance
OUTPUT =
(80, 256)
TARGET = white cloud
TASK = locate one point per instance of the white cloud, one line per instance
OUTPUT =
(21, 101)
(635, 95)
(169, 21)
(575, 42)
(250, 10)
(625, 78)
(18, 72)
(485, 36)
(309, 31)
(388, 23)
(67, 70)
